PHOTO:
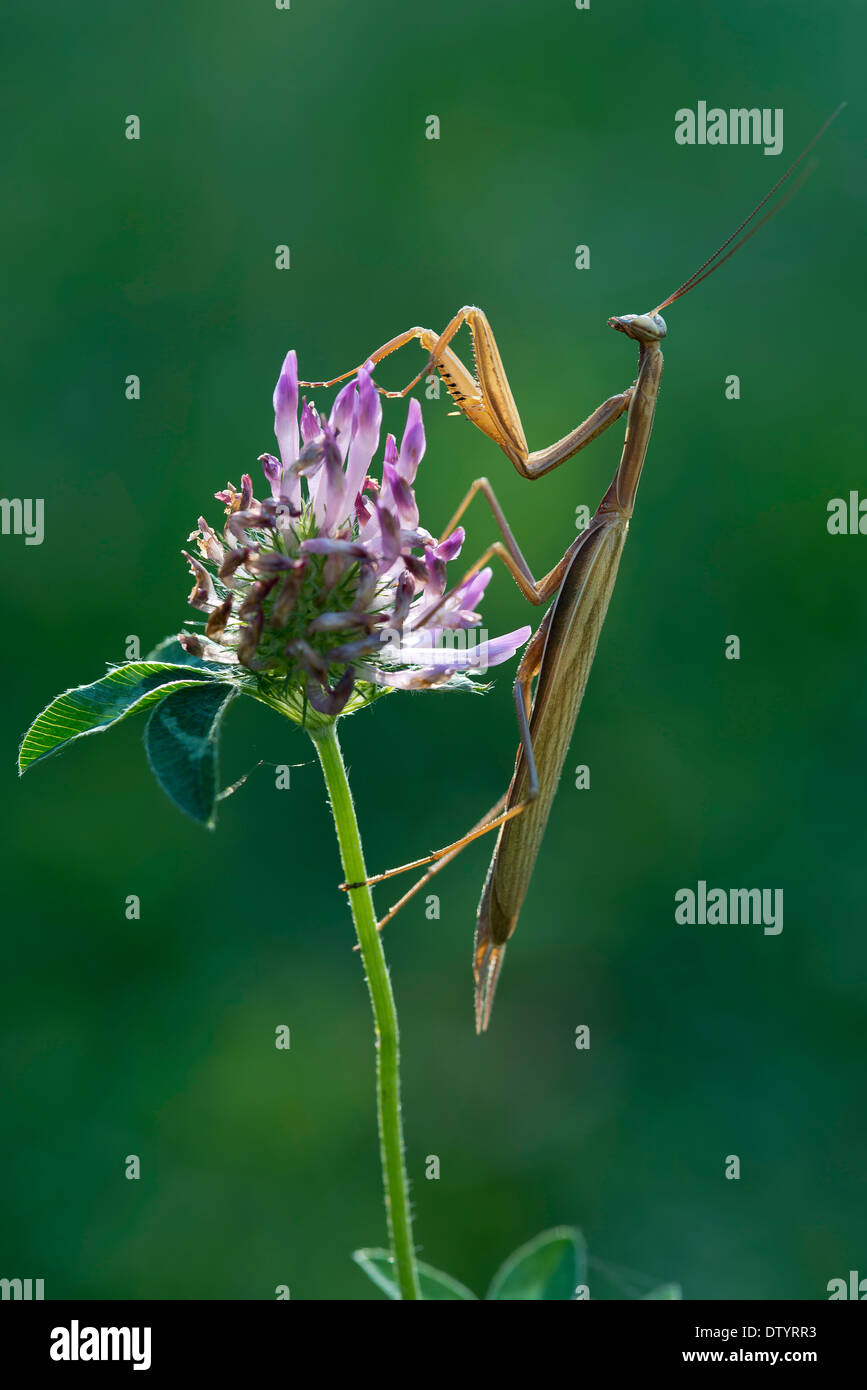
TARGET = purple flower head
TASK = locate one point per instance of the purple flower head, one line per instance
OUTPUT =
(328, 592)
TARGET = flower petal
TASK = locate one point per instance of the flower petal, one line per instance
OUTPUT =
(416, 649)
(436, 574)
(273, 470)
(331, 700)
(351, 651)
(404, 595)
(325, 545)
(340, 622)
(451, 547)
(402, 497)
(209, 542)
(216, 624)
(208, 651)
(203, 594)
(332, 494)
(286, 422)
(366, 420)
(390, 533)
(412, 446)
(287, 594)
(286, 408)
(340, 418)
(311, 425)
(403, 680)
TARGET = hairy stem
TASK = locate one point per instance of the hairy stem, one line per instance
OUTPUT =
(391, 1146)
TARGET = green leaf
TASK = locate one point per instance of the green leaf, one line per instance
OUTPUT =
(181, 745)
(88, 709)
(435, 1286)
(665, 1291)
(549, 1267)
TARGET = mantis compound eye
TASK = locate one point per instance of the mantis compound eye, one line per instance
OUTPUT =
(645, 328)
(649, 327)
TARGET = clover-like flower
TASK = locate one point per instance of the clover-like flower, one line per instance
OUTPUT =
(329, 590)
(318, 598)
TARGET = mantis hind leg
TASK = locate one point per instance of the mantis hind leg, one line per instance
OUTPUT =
(435, 868)
(528, 669)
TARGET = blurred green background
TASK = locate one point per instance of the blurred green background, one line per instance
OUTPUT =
(156, 257)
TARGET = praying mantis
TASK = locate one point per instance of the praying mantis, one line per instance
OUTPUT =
(560, 654)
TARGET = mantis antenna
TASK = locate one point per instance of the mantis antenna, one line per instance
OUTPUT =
(712, 263)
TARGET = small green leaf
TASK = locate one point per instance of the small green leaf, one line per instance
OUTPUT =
(665, 1291)
(181, 745)
(435, 1286)
(88, 709)
(549, 1267)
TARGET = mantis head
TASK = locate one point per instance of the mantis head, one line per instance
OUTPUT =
(644, 328)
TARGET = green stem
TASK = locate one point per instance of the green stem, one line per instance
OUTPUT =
(394, 1175)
